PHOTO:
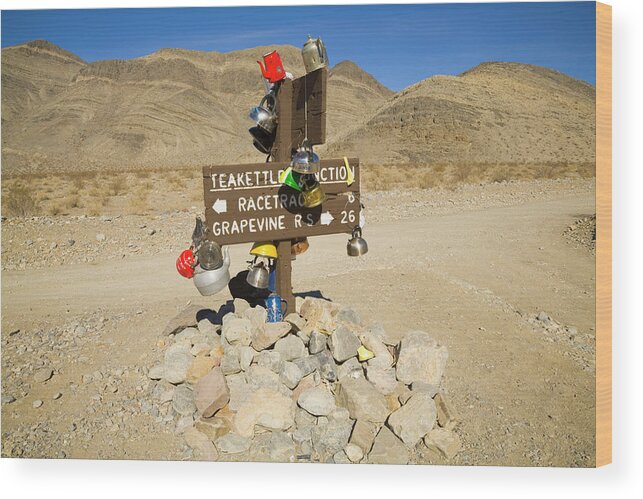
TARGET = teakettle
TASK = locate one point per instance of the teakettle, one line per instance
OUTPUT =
(356, 245)
(264, 114)
(210, 282)
(272, 67)
(259, 275)
(314, 54)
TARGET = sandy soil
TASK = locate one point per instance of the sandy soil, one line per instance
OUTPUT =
(474, 267)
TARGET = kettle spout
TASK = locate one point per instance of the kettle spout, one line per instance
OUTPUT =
(263, 69)
(226, 257)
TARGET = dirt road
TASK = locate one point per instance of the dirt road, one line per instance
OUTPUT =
(473, 276)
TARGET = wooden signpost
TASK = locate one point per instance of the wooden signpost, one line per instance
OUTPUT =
(248, 203)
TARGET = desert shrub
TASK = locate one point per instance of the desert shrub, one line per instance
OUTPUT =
(500, 174)
(138, 202)
(20, 201)
(117, 185)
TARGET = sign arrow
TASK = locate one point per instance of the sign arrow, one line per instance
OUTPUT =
(220, 206)
(326, 218)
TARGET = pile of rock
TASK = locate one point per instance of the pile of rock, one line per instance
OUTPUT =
(320, 386)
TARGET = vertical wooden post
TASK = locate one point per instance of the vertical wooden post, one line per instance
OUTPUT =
(282, 151)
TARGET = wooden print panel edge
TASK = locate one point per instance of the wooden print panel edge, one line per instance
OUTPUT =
(603, 234)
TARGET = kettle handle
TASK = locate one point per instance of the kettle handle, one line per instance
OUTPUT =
(269, 96)
(285, 310)
(321, 48)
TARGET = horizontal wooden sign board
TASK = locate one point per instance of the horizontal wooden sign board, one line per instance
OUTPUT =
(248, 203)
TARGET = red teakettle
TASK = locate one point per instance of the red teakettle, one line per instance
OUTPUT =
(272, 67)
(185, 264)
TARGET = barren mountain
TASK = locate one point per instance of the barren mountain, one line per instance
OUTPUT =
(171, 108)
(180, 107)
(494, 113)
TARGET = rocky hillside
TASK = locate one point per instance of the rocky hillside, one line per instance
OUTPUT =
(495, 112)
(180, 108)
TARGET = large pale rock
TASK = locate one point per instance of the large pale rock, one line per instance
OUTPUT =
(443, 441)
(290, 375)
(362, 400)
(265, 408)
(363, 435)
(202, 445)
(188, 317)
(262, 377)
(230, 363)
(354, 453)
(414, 420)
(240, 390)
(177, 361)
(317, 401)
(211, 393)
(267, 334)
(382, 379)
(183, 401)
(317, 342)
(343, 344)
(246, 354)
(257, 316)
(383, 358)
(290, 347)
(421, 359)
(331, 437)
(231, 443)
(447, 417)
(240, 306)
(388, 449)
(270, 359)
(200, 366)
(352, 367)
(237, 331)
(214, 427)
(281, 447)
(320, 314)
(327, 367)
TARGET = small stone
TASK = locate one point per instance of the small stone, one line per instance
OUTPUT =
(270, 359)
(388, 449)
(237, 331)
(307, 364)
(240, 306)
(317, 401)
(178, 360)
(201, 366)
(230, 362)
(156, 372)
(362, 400)
(340, 457)
(364, 354)
(339, 414)
(351, 368)
(327, 367)
(348, 314)
(100, 237)
(298, 322)
(267, 335)
(246, 354)
(443, 441)
(343, 344)
(183, 401)
(42, 375)
(281, 447)
(211, 393)
(383, 380)
(421, 359)
(57, 395)
(151, 232)
(265, 408)
(36, 404)
(290, 348)
(414, 420)
(232, 443)
(290, 375)
(8, 399)
(354, 453)
(317, 342)
(331, 437)
(214, 427)
(202, 445)
(363, 435)
(421, 386)
(53, 246)
(447, 417)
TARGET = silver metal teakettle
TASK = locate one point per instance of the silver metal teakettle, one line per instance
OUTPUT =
(356, 245)
(259, 275)
(314, 54)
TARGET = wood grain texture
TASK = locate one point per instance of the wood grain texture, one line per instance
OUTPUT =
(603, 234)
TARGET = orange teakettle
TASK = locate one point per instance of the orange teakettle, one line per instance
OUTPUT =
(272, 67)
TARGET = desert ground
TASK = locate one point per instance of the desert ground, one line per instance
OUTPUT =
(500, 272)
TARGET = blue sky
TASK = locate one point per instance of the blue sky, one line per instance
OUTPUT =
(398, 44)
